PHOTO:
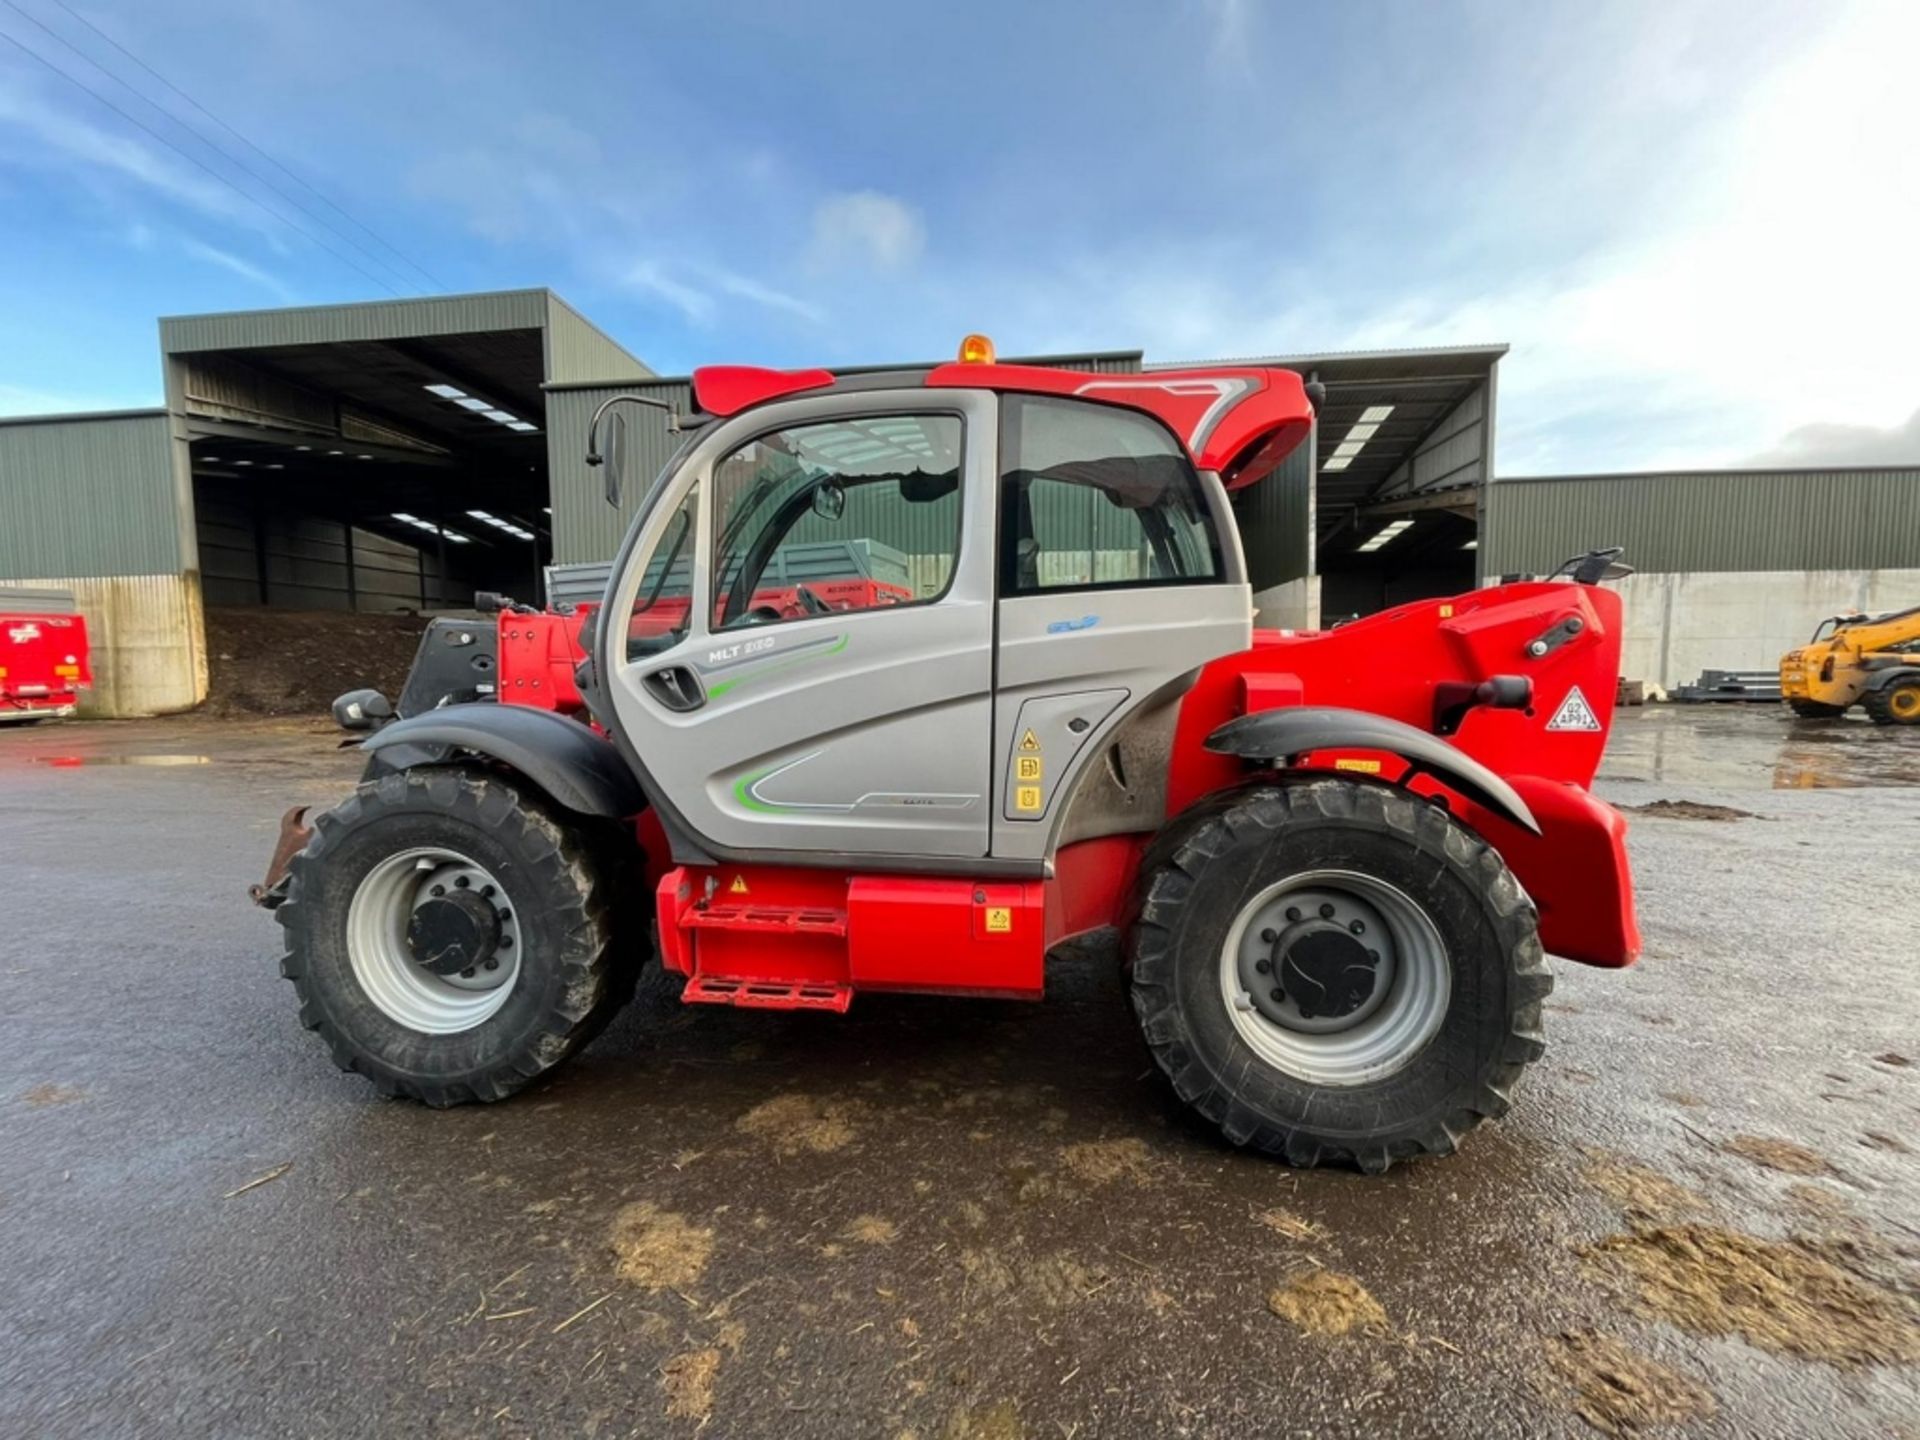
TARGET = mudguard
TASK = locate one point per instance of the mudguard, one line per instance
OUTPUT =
(1296, 729)
(578, 769)
(1893, 674)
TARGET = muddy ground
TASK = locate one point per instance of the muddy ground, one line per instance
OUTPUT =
(947, 1218)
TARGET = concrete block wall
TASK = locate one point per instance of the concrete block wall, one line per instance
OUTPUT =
(1681, 624)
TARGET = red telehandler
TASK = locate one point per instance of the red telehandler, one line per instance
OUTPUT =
(1334, 861)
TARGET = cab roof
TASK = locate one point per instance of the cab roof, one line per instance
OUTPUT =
(1240, 421)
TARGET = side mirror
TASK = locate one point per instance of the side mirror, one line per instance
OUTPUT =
(829, 500)
(362, 710)
(616, 458)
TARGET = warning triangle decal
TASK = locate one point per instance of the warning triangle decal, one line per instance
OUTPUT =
(1574, 713)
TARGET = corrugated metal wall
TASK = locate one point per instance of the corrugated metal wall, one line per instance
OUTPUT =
(1454, 454)
(305, 562)
(578, 350)
(88, 496)
(375, 320)
(1703, 521)
(1276, 520)
(585, 527)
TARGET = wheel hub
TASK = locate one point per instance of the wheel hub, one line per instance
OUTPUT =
(1327, 970)
(453, 932)
(1334, 977)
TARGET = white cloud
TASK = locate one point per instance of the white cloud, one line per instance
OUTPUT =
(1825, 444)
(1775, 291)
(245, 269)
(863, 228)
(744, 288)
(60, 140)
(647, 277)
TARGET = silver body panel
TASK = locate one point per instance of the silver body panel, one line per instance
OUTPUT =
(897, 731)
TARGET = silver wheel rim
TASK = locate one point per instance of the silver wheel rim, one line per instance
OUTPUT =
(403, 990)
(1388, 1029)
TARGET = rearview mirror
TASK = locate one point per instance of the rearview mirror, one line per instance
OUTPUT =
(829, 500)
(616, 457)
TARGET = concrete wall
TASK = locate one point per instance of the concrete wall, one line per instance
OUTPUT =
(146, 637)
(1681, 624)
(1292, 606)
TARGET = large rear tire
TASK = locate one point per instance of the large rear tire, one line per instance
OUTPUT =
(1250, 974)
(420, 872)
(1815, 710)
(1895, 704)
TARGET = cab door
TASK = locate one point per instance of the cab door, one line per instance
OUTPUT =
(1120, 575)
(808, 612)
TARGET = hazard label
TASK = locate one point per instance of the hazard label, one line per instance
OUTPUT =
(1364, 767)
(739, 886)
(1029, 741)
(1026, 767)
(1574, 713)
(1026, 797)
(999, 919)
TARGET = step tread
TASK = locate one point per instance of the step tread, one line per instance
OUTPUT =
(767, 994)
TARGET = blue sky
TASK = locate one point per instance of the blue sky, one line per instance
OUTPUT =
(1695, 223)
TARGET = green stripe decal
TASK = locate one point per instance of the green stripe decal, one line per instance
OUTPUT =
(722, 687)
(742, 792)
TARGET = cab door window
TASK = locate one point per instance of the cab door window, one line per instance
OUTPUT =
(1093, 496)
(853, 514)
(664, 604)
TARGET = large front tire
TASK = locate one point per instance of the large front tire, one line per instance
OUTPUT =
(1344, 1059)
(546, 976)
(1895, 704)
(1815, 709)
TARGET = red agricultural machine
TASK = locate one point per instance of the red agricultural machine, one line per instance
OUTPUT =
(44, 660)
(1333, 861)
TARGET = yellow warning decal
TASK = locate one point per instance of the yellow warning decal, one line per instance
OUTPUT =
(1029, 741)
(999, 919)
(739, 886)
(1026, 767)
(1365, 767)
(1446, 612)
(1026, 797)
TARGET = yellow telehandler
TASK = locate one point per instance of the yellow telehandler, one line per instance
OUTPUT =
(1872, 661)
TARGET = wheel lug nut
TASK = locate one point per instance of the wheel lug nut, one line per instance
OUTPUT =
(1269, 935)
(506, 942)
(463, 882)
(467, 974)
(504, 915)
(1293, 914)
(1358, 927)
(1373, 955)
(1278, 995)
(1262, 966)
(493, 964)
(486, 892)
(1326, 912)
(438, 891)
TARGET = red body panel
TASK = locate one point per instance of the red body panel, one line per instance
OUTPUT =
(44, 661)
(790, 938)
(1240, 422)
(1392, 664)
(729, 389)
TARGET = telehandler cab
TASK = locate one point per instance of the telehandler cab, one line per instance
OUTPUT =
(1333, 859)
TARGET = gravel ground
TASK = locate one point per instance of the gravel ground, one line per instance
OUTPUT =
(952, 1218)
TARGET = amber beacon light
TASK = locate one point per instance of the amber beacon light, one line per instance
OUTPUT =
(976, 350)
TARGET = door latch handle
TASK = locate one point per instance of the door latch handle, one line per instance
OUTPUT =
(676, 687)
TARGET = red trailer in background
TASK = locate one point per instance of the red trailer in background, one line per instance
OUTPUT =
(44, 663)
